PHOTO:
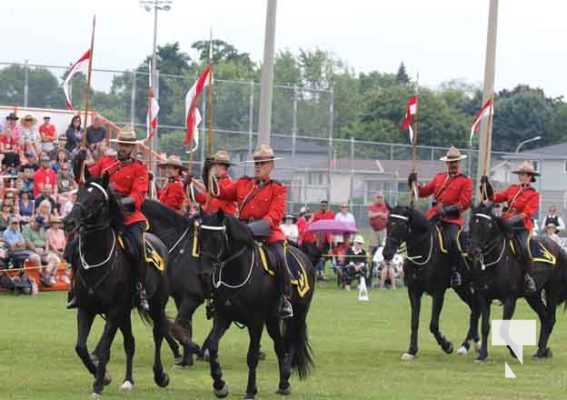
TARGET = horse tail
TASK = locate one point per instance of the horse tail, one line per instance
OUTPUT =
(145, 316)
(561, 263)
(296, 335)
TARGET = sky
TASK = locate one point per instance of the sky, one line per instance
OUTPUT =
(441, 39)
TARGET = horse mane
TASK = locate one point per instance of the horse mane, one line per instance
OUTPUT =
(238, 231)
(416, 218)
(115, 214)
(167, 223)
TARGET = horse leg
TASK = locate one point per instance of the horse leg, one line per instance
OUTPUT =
(108, 334)
(255, 334)
(129, 349)
(185, 319)
(283, 354)
(466, 294)
(157, 313)
(203, 356)
(484, 308)
(436, 307)
(508, 313)
(220, 325)
(415, 302)
(84, 324)
(547, 318)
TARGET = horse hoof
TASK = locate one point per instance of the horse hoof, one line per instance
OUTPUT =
(408, 357)
(448, 348)
(107, 380)
(163, 382)
(478, 346)
(479, 360)
(95, 396)
(540, 355)
(221, 393)
(462, 351)
(284, 392)
(126, 386)
(183, 364)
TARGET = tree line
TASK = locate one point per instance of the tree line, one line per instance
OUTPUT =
(366, 106)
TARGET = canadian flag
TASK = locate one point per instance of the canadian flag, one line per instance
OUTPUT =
(411, 109)
(79, 65)
(486, 110)
(151, 118)
(192, 114)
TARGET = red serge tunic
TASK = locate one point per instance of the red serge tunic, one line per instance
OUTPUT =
(258, 199)
(522, 200)
(214, 204)
(128, 178)
(447, 191)
(173, 195)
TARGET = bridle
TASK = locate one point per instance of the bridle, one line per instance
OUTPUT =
(219, 263)
(487, 247)
(397, 242)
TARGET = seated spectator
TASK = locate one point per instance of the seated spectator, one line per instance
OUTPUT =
(35, 236)
(44, 175)
(355, 262)
(46, 194)
(65, 180)
(289, 228)
(96, 133)
(10, 141)
(27, 175)
(30, 134)
(45, 210)
(339, 252)
(19, 246)
(68, 206)
(10, 197)
(5, 215)
(27, 207)
(61, 157)
(74, 134)
(103, 149)
(56, 242)
(551, 232)
(48, 134)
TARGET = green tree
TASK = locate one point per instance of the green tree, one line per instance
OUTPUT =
(402, 77)
(43, 87)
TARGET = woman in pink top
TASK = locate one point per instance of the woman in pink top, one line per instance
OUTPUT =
(56, 242)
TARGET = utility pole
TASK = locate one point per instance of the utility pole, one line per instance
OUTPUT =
(267, 79)
(485, 142)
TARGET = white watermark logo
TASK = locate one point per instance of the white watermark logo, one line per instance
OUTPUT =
(516, 334)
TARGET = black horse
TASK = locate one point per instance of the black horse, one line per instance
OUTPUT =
(427, 269)
(187, 282)
(498, 274)
(246, 293)
(104, 284)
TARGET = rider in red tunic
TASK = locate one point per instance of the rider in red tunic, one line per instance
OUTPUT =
(452, 192)
(220, 163)
(262, 204)
(128, 178)
(523, 203)
(173, 194)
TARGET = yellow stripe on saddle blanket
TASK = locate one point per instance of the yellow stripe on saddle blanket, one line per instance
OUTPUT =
(299, 278)
(538, 252)
(151, 255)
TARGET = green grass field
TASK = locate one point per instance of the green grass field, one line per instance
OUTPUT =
(357, 350)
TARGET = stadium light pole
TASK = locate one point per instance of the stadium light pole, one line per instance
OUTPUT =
(155, 5)
(519, 146)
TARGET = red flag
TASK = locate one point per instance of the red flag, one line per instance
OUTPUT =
(485, 111)
(411, 109)
(192, 115)
(80, 64)
(151, 119)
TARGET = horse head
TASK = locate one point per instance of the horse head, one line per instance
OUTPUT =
(95, 206)
(484, 227)
(403, 221)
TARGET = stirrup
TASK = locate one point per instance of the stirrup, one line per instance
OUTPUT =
(529, 284)
(143, 300)
(285, 310)
(456, 280)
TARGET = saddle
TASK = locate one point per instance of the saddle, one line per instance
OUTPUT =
(151, 254)
(296, 269)
(539, 252)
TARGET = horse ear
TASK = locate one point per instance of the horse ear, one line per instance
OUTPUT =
(105, 180)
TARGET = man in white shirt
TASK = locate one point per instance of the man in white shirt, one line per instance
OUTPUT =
(553, 218)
